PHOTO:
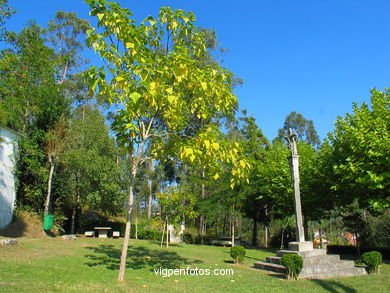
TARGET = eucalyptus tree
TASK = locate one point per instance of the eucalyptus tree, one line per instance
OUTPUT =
(67, 34)
(55, 144)
(300, 125)
(153, 75)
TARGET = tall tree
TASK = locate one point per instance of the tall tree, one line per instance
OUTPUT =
(91, 170)
(28, 90)
(55, 143)
(33, 103)
(6, 12)
(154, 72)
(67, 34)
(359, 153)
(300, 125)
(256, 206)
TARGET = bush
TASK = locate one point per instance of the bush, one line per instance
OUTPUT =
(149, 234)
(187, 238)
(372, 260)
(293, 264)
(238, 253)
(203, 239)
(352, 250)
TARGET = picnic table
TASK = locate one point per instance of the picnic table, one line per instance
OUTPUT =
(102, 231)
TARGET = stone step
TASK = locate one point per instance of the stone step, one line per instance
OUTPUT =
(325, 268)
(351, 272)
(273, 259)
(304, 254)
(322, 259)
(270, 267)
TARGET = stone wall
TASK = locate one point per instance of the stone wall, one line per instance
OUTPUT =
(8, 139)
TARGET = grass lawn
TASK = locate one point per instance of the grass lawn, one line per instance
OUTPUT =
(91, 265)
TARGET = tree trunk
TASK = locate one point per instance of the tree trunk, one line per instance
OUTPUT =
(284, 228)
(266, 226)
(202, 220)
(167, 234)
(232, 231)
(224, 232)
(136, 226)
(306, 227)
(64, 73)
(265, 236)
(163, 232)
(73, 220)
(254, 232)
(122, 266)
(49, 183)
(357, 245)
(150, 200)
(150, 183)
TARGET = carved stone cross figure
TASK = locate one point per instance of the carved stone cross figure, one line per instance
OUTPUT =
(294, 165)
(292, 142)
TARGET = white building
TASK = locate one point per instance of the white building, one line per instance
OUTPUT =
(8, 140)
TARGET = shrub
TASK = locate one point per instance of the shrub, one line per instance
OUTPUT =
(238, 253)
(187, 238)
(149, 234)
(293, 264)
(202, 239)
(372, 260)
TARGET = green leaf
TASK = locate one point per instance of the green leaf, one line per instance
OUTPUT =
(135, 97)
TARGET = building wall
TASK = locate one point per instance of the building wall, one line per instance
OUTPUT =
(8, 140)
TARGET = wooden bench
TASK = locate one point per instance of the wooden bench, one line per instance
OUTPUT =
(116, 234)
(89, 233)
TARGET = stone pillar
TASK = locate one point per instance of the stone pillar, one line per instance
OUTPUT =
(300, 244)
(300, 234)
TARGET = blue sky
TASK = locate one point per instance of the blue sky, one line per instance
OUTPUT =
(312, 56)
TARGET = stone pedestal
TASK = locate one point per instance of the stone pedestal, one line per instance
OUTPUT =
(316, 263)
(300, 246)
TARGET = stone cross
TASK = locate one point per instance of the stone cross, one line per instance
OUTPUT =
(294, 165)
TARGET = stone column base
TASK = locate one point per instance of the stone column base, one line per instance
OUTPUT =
(301, 246)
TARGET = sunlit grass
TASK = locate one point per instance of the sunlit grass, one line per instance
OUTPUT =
(91, 265)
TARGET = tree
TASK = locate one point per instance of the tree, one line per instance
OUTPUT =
(55, 143)
(177, 204)
(256, 206)
(303, 127)
(160, 87)
(28, 91)
(6, 12)
(33, 104)
(359, 153)
(67, 33)
(91, 173)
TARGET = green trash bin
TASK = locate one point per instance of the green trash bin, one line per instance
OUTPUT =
(48, 222)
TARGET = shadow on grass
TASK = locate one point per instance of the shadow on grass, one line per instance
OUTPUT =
(158, 242)
(333, 286)
(138, 258)
(255, 258)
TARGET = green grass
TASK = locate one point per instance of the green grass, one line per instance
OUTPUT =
(91, 265)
